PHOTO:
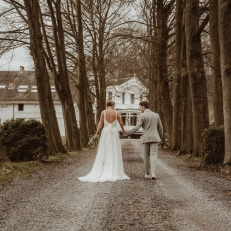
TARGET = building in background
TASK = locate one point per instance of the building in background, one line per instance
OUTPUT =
(19, 98)
(127, 94)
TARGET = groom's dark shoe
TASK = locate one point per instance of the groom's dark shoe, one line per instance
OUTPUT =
(153, 177)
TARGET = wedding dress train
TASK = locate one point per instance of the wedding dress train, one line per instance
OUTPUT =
(108, 165)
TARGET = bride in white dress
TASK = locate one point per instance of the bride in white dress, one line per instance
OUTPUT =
(108, 165)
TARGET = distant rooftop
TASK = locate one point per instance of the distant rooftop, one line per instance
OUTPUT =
(20, 86)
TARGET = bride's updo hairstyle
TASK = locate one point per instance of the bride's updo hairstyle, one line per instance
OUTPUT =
(110, 103)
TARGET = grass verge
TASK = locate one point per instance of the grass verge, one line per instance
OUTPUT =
(195, 162)
(7, 173)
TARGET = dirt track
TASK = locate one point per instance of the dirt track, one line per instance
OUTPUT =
(180, 199)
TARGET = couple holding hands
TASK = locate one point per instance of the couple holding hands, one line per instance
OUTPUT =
(108, 165)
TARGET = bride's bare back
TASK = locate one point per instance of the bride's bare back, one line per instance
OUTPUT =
(110, 118)
(110, 115)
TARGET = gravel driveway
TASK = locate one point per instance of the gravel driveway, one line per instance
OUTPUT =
(181, 198)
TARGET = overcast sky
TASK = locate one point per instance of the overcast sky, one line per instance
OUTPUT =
(12, 60)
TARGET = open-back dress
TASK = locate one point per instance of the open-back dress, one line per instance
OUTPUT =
(108, 165)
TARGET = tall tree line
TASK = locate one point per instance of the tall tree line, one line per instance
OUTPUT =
(181, 92)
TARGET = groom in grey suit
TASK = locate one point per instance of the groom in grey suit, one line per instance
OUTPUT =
(152, 135)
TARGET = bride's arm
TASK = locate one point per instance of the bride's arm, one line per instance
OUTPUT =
(120, 122)
(100, 124)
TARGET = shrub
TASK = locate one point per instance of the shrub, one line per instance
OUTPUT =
(24, 140)
(212, 147)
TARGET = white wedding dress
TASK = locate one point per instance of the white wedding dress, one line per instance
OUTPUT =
(108, 165)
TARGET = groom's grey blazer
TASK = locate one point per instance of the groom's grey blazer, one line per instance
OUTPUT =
(152, 127)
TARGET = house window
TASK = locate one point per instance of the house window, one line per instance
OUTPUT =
(109, 95)
(123, 118)
(133, 119)
(141, 98)
(123, 98)
(132, 98)
(21, 107)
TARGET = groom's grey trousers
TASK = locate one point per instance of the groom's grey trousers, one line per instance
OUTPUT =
(152, 134)
(150, 157)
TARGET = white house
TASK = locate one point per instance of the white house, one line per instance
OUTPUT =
(19, 98)
(127, 94)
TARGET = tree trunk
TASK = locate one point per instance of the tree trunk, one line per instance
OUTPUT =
(153, 62)
(83, 75)
(97, 90)
(88, 116)
(62, 80)
(160, 110)
(152, 89)
(224, 12)
(47, 109)
(186, 101)
(176, 133)
(89, 109)
(196, 72)
(162, 19)
(82, 78)
(101, 71)
(216, 66)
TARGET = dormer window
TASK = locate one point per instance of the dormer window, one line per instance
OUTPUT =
(22, 88)
(11, 86)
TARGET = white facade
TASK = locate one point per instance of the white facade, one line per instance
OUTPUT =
(127, 97)
(27, 111)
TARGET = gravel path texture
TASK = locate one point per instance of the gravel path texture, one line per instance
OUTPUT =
(181, 198)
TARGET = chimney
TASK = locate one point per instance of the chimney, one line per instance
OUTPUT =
(21, 69)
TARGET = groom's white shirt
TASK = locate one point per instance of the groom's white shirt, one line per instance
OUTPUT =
(152, 127)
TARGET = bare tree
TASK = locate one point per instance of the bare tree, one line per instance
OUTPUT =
(163, 12)
(186, 99)
(196, 70)
(216, 66)
(102, 22)
(61, 75)
(176, 139)
(148, 15)
(14, 27)
(224, 19)
(84, 84)
(47, 109)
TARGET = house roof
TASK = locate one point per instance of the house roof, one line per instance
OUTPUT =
(121, 81)
(115, 82)
(20, 86)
